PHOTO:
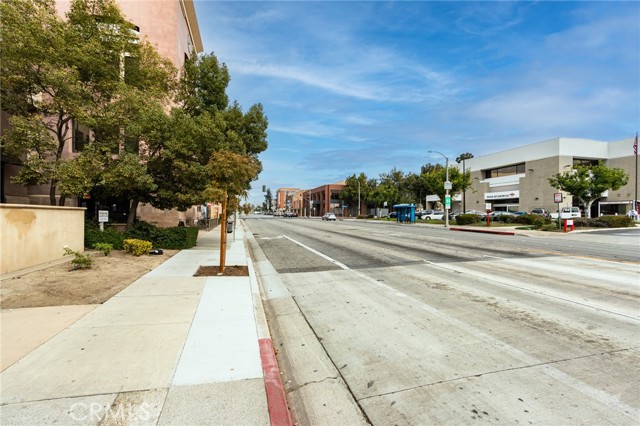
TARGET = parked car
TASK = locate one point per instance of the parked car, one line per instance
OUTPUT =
(477, 212)
(391, 215)
(540, 212)
(456, 213)
(329, 216)
(290, 214)
(433, 215)
(453, 214)
(567, 213)
(500, 213)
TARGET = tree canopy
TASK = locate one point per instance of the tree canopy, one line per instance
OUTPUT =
(91, 70)
(60, 72)
(588, 182)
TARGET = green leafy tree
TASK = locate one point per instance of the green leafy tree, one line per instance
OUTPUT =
(588, 182)
(349, 193)
(231, 174)
(268, 200)
(56, 71)
(435, 177)
(206, 125)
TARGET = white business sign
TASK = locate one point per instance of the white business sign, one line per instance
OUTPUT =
(103, 215)
(502, 195)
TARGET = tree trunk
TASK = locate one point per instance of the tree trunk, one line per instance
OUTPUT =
(223, 236)
(588, 207)
(62, 200)
(52, 193)
(131, 217)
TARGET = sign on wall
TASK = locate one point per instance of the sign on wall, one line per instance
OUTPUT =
(502, 195)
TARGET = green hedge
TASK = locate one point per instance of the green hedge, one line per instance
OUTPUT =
(176, 238)
(532, 219)
(93, 236)
(467, 219)
(604, 222)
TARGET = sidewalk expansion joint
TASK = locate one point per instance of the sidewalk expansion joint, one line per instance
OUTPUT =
(504, 370)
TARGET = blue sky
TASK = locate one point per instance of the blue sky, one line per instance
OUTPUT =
(352, 87)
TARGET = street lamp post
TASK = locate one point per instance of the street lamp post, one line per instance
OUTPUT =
(447, 187)
(359, 198)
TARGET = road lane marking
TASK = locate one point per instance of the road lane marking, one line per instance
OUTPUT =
(314, 251)
(599, 395)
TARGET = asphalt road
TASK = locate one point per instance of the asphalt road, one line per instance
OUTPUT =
(423, 325)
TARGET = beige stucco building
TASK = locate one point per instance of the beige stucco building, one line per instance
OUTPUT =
(517, 179)
(172, 27)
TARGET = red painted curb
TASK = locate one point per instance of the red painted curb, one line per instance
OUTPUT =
(276, 400)
(483, 231)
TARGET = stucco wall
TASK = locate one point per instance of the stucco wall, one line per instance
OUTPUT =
(33, 235)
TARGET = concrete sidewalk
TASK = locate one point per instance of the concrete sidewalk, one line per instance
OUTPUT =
(170, 349)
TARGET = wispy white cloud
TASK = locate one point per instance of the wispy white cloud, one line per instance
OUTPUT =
(365, 86)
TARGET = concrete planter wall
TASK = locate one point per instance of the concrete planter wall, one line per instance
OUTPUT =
(31, 235)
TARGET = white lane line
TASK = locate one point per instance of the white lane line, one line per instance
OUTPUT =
(324, 256)
(601, 396)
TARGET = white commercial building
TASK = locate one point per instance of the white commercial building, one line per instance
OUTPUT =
(517, 179)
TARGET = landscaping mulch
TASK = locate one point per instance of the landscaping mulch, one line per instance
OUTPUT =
(229, 271)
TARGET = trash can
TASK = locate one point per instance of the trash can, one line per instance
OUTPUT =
(229, 226)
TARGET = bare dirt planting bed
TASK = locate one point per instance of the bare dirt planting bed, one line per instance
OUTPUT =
(57, 285)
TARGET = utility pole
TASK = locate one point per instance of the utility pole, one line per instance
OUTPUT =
(359, 211)
(463, 157)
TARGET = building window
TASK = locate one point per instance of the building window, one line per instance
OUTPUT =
(80, 136)
(515, 169)
(584, 162)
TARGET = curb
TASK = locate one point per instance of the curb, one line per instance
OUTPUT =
(483, 231)
(276, 399)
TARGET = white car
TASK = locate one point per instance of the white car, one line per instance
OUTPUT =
(497, 213)
(433, 215)
(329, 216)
(567, 213)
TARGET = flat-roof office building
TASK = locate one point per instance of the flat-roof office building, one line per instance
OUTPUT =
(517, 179)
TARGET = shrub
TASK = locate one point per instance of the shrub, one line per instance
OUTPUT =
(603, 222)
(616, 221)
(532, 219)
(137, 247)
(550, 227)
(104, 248)
(467, 219)
(168, 238)
(80, 261)
(179, 237)
(93, 236)
(504, 218)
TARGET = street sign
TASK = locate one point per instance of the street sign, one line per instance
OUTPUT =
(103, 215)
(447, 202)
(448, 185)
(557, 197)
